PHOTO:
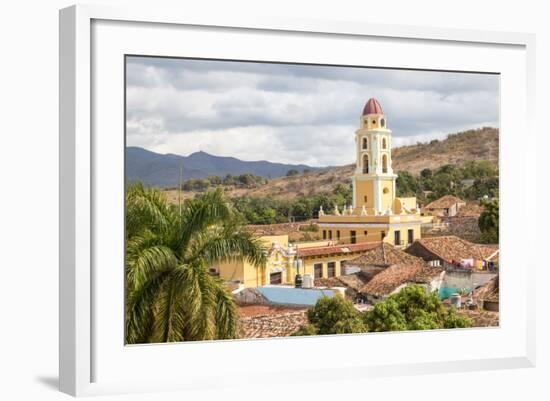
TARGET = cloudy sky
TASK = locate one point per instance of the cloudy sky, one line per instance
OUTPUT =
(293, 113)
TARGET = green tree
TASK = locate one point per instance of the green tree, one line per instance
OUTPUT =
(268, 216)
(169, 294)
(488, 221)
(426, 173)
(482, 187)
(345, 191)
(407, 184)
(386, 316)
(412, 309)
(333, 315)
(292, 172)
(479, 169)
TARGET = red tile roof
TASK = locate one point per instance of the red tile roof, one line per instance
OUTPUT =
(280, 324)
(353, 281)
(391, 278)
(480, 318)
(450, 247)
(336, 249)
(383, 255)
(470, 209)
(444, 202)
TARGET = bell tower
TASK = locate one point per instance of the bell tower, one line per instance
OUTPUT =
(374, 180)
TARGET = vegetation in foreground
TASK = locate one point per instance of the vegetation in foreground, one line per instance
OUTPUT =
(410, 309)
(170, 296)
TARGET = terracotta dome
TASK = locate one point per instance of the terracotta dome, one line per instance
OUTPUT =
(372, 107)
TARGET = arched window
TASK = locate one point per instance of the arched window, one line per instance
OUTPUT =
(382, 123)
(385, 163)
(384, 143)
(365, 164)
(365, 144)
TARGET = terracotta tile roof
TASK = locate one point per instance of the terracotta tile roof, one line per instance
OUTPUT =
(450, 247)
(444, 202)
(489, 291)
(480, 318)
(391, 278)
(470, 209)
(336, 249)
(290, 229)
(272, 325)
(427, 273)
(383, 255)
(353, 281)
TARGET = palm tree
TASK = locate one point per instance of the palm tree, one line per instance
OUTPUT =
(170, 296)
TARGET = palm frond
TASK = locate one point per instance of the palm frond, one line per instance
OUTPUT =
(146, 209)
(140, 303)
(169, 322)
(202, 318)
(144, 257)
(226, 314)
(199, 214)
(229, 246)
(170, 294)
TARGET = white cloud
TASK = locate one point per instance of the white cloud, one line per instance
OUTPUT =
(293, 113)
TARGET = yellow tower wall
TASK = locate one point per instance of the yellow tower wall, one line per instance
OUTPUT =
(386, 194)
(362, 189)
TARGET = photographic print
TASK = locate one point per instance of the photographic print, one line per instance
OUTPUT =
(276, 199)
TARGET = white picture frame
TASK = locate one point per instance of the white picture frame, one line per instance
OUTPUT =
(93, 357)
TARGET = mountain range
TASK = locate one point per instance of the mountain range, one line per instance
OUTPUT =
(163, 170)
(456, 149)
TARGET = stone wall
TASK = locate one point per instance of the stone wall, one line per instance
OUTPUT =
(463, 227)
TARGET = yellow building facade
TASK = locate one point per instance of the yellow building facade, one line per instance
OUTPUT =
(376, 214)
(319, 259)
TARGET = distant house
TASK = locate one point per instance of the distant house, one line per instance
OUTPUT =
(451, 251)
(446, 206)
(360, 270)
(373, 261)
(392, 279)
(487, 296)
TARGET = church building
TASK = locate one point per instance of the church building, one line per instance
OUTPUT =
(376, 213)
